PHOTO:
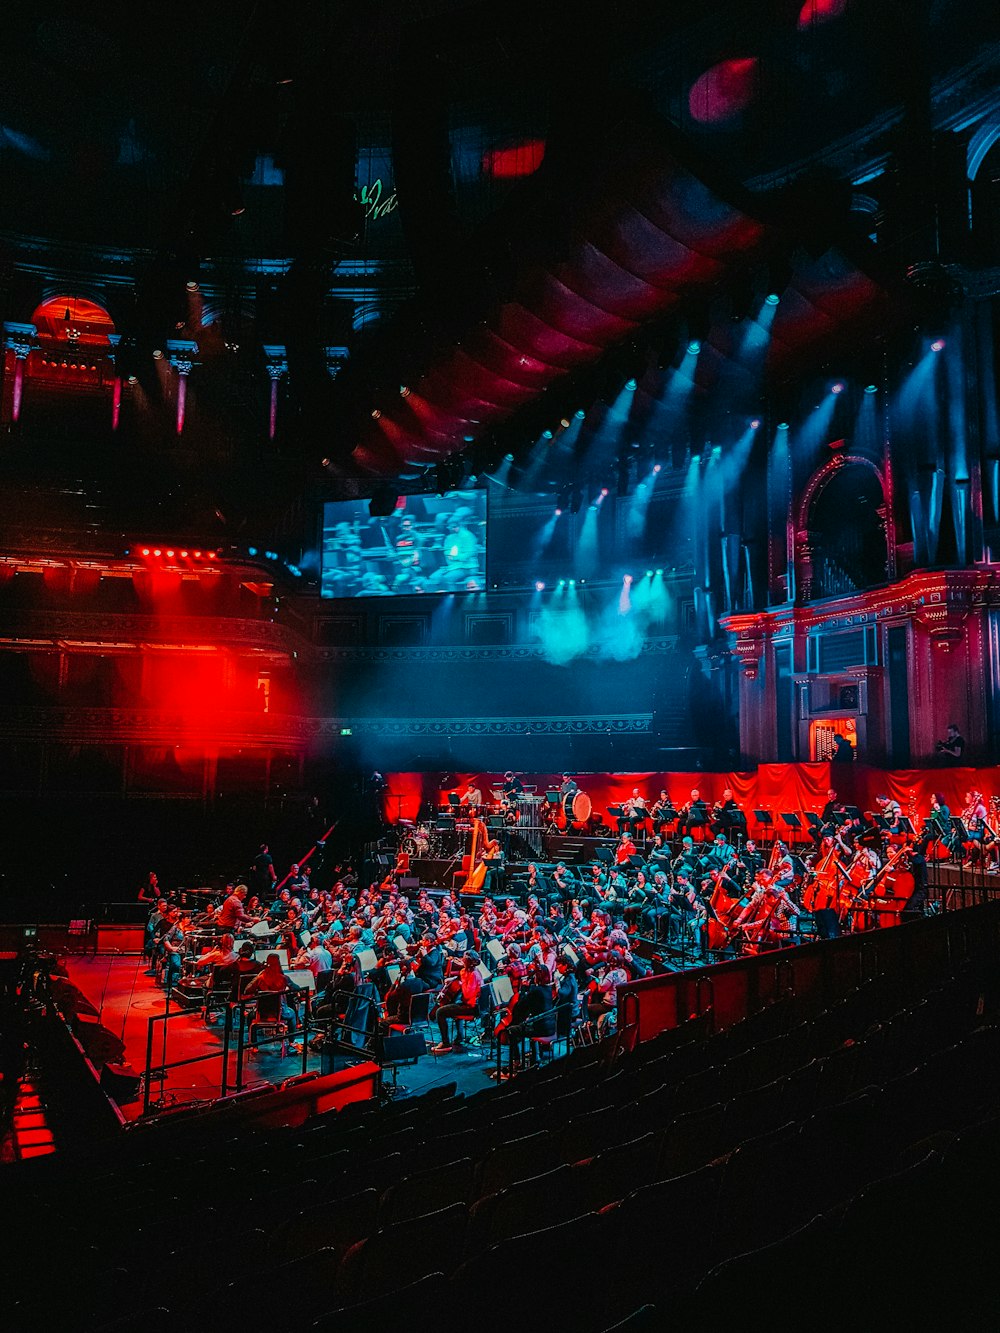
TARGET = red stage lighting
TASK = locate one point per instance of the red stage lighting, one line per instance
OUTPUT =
(197, 555)
(522, 159)
(157, 551)
(170, 555)
(184, 555)
(211, 555)
(145, 550)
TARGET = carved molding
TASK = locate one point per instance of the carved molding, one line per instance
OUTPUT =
(134, 725)
(121, 629)
(487, 652)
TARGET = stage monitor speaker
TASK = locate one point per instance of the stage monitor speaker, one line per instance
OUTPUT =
(403, 1046)
(408, 882)
(121, 1083)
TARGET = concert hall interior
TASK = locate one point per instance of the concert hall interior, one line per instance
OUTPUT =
(499, 659)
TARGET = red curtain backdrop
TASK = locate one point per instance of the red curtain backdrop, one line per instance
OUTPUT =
(776, 788)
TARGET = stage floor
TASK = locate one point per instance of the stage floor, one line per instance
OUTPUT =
(127, 999)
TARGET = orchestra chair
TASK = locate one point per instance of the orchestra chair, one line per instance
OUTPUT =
(267, 1023)
(217, 991)
(420, 1006)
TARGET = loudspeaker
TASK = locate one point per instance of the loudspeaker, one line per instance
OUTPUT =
(121, 1083)
(400, 1046)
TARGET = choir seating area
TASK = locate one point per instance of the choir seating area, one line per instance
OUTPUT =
(837, 1157)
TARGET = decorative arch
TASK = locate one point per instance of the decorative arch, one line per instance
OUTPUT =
(822, 476)
(850, 553)
(73, 319)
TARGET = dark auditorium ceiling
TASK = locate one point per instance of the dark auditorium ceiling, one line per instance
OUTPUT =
(167, 131)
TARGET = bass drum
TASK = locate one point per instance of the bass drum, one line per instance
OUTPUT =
(578, 808)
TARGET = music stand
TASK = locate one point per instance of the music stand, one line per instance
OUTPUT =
(906, 825)
(603, 854)
(792, 820)
(813, 820)
(763, 817)
(552, 798)
(636, 862)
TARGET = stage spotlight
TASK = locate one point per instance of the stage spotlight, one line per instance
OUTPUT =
(649, 573)
(251, 550)
(694, 347)
(572, 583)
(657, 468)
(197, 555)
(170, 555)
(937, 345)
(772, 298)
(564, 422)
(659, 573)
(755, 424)
(871, 388)
(212, 554)
(547, 435)
(157, 551)
(580, 414)
(184, 555)
(508, 458)
(133, 379)
(631, 385)
(145, 550)
(539, 586)
(558, 513)
(157, 354)
(192, 286)
(604, 491)
(627, 578)
(782, 425)
(404, 391)
(375, 414)
(837, 388)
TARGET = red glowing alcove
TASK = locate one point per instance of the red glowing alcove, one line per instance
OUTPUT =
(59, 316)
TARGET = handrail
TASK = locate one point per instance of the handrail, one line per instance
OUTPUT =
(158, 1072)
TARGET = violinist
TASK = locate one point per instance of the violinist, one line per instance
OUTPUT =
(602, 994)
(532, 1013)
(769, 918)
(430, 962)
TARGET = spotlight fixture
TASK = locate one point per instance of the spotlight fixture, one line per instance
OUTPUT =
(539, 586)
(558, 513)
(871, 388)
(659, 573)
(649, 573)
(604, 491)
(837, 388)
(631, 385)
(546, 435)
(157, 354)
(375, 414)
(782, 425)
(694, 347)
(627, 578)
(564, 422)
(755, 424)
(657, 468)
(772, 298)
(133, 379)
(404, 391)
(251, 550)
(937, 345)
(191, 285)
(580, 414)
(145, 550)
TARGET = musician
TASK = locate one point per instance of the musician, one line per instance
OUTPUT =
(937, 825)
(832, 812)
(750, 859)
(567, 997)
(400, 994)
(891, 811)
(720, 853)
(602, 994)
(150, 891)
(687, 858)
(472, 797)
(663, 812)
(221, 954)
(639, 894)
(974, 818)
(626, 848)
(725, 813)
(563, 880)
(843, 750)
(952, 747)
(687, 911)
(694, 812)
(532, 1013)
(466, 1005)
(657, 855)
(768, 908)
(568, 788)
(635, 811)
(512, 787)
(316, 956)
(232, 917)
(172, 943)
(430, 962)
(272, 981)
